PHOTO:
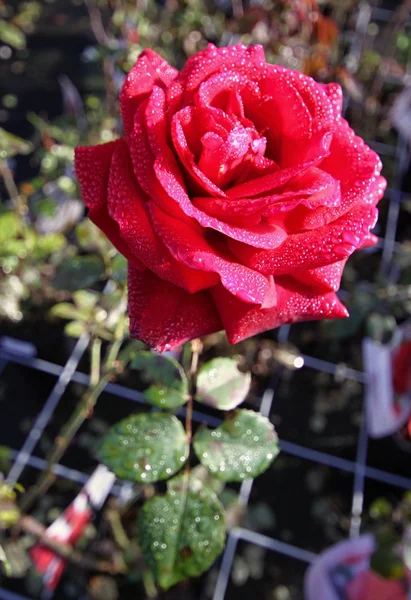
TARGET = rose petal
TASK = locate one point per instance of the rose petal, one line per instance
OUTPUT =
(149, 70)
(203, 64)
(188, 245)
(323, 279)
(303, 217)
(370, 241)
(165, 71)
(223, 89)
(295, 302)
(350, 158)
(197, 122)
(216, 149)
(314, 248)
(143, 163)
(181, 120)
(335, 95)
(295, 114)
(357, 167)
(260, 236)
(164, 315)
(128, 205)
(311, 190)
(92, 164)
(268, 183)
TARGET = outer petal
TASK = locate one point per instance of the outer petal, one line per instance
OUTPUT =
(149, 70)
(323, 279)
(366, 192)
(129, 207)
(187, 244)
(143, 160)
(314, 248)
(357, 168)
(370, 241)
(164, 315)
(92, 164)
(350, 158)
(335, 95)
(295, 302)
(165, 72)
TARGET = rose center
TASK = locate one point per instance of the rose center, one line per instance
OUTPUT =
(226, 156)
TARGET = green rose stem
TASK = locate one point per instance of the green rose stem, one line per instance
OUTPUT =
(112, 367)
(196, 347)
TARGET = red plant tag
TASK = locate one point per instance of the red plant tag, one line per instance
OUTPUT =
(388, 387)
(69, 526)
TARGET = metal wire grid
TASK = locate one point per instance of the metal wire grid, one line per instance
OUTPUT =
(69, 373)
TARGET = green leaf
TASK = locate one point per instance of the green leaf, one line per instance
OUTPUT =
(48, 243)
(147, 447)
(12, 35)
(129, 351)
(221, 385)
(75, 329)
(111, 301)
(385, 560)
(78, 272)
(102, 333)
(9, 263)
(91, 238)
(85, 300)
(9, 226)
(241, 448)
(65, 310)
(182, 533)
(119, 269)
(14, 248)
(381, 327)
(169, 388)
(83, 308)
(46, 128)
(5, 459)
(381, 508)
(44, 207)
(341, 329)
(11, 145)
(202, 474)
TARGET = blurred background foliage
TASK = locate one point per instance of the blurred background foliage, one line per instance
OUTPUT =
(62, 64)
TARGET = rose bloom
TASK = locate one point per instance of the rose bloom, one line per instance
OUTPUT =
(237, 193)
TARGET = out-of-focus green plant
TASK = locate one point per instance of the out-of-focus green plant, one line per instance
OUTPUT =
(26, 258)
(391, 525)
(9, 511)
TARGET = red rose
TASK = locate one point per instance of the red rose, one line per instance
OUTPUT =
(237, 194)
